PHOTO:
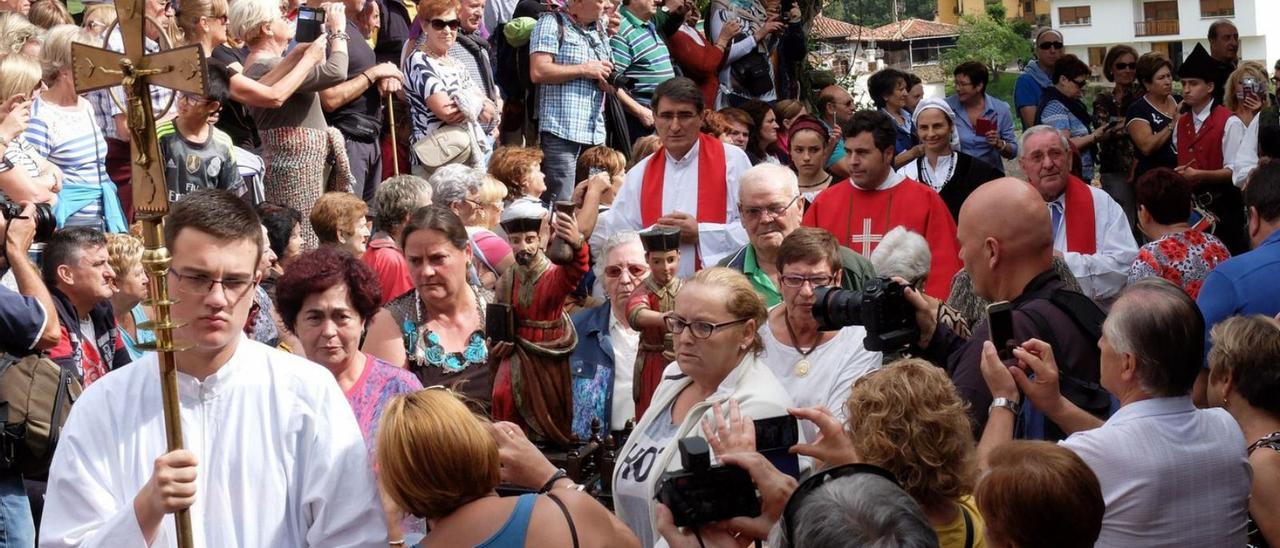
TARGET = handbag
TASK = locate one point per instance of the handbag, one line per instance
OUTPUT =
(446, 145)
(751, 73)
(36, 395)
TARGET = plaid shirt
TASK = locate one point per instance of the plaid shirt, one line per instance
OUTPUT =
(572, 110)
(160, 97)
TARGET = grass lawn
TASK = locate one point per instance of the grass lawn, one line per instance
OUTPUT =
(1000, 86)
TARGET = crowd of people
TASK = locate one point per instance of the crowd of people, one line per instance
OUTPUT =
(433, 252)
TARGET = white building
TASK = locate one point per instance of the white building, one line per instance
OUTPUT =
(1173, 27)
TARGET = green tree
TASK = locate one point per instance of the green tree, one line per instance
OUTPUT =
(988, 40)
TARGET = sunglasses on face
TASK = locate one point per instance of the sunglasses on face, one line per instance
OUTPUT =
(1126, 66)
(440, 24)
(614, 270)
(1050, 45)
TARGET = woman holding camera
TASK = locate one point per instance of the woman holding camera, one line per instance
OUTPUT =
(441, 462)
(1245, 95)
(25, 175)
(714, 324)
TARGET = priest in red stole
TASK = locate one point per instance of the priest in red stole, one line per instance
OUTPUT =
(689, 183)
(532, 387)
(1088, 225)
(875, 199)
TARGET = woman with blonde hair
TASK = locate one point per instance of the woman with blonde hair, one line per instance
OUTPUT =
(47, 14)
(124, 252)
(25, 175)
(1245, 95)
(714, 325)
(18, 35)
(441, 462)
(64, 129)
(303, 155)
(98, 17)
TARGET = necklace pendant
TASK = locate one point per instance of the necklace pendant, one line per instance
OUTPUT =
(802, 367)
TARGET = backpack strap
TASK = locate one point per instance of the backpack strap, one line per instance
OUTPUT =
(568, 518)
(968, 526)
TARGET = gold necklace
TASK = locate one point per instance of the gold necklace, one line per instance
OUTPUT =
(802, 367)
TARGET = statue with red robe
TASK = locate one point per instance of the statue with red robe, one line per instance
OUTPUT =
(647, 310)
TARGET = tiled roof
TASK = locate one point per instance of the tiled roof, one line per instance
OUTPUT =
(913, 29)
(826, 28)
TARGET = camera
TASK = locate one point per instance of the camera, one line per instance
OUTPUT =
(1250, 87)
(46, 223)
(881, 307)
(618, 81)
(702, 493)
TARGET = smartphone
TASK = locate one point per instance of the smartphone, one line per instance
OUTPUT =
(774, 438)
(984, 126)
(1000, 322)
(497, 322)
(310, 24)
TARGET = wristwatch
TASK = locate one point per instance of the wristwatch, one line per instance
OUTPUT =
(1006, 403)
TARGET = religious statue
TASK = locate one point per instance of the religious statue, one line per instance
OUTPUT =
(647, 310)
(532, 385)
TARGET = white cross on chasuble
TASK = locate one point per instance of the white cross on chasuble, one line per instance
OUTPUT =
(867, 238)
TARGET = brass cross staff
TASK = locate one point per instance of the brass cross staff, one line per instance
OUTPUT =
(181, 69)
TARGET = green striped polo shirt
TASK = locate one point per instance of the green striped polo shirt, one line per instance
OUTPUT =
(640, 53)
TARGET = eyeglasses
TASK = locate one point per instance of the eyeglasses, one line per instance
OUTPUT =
(818, 480)
(775, 210)
(700, 330)
(234, 289)
(1126, 66)
(615, 270)
(1081, 82)
(1050, 45)
(682, 117)
(796, 280)
(440, 24)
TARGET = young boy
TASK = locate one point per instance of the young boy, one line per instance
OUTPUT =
(647, 310)
(1201, 153)
(520, 168)
(196, 154)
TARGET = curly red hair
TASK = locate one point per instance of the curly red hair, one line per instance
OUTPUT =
(318, 270)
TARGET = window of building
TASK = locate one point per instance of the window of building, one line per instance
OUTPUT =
(1075, 15)
(1217, 8)
(1096, 55)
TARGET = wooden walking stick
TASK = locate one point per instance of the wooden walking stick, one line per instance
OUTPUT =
(181, 69)
(391, 119)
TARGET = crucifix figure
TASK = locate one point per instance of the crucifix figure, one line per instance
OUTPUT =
(181, 69)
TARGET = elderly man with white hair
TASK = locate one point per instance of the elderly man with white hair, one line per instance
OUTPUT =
(769, 209)
(1090, 230)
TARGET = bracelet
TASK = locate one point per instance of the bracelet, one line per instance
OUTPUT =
(340, 35)
(397, 542)
(559, 475)
(366, 77)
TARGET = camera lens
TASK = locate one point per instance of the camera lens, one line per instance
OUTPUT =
(836, 308)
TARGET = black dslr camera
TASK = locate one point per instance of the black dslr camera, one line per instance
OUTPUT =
(618, 81)
(703, 493)
(881, 307)
(46, 223)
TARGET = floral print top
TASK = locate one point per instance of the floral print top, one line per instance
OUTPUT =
(1184, 258)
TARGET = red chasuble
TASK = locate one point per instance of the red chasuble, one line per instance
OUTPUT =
(1082, 235)
(713, 188)
(859, 219)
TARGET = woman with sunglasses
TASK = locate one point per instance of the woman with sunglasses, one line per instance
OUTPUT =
(714, 325)
(325, 297)
(1037, 75)
(439, 88)
(1115, 158)
(1062, 107)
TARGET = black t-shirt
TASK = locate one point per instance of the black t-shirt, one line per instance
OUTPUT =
(393, 31)
(190, 166)
(234, 118)
(1165, 156)
(360, 57)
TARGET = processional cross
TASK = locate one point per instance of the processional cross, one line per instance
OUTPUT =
(180, 69)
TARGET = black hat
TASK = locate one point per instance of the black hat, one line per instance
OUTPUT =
(660, 239)
(1199, 65)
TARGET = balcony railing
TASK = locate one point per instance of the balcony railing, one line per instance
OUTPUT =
(1156, 27)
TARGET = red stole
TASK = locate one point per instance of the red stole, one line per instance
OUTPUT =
(1205, 147)
(1081, 228)
(713, 186)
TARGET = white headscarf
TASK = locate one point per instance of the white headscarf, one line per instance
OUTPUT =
(934, 102)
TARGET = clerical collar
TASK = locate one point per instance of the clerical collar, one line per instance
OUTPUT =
(890, 181)
(688, 156)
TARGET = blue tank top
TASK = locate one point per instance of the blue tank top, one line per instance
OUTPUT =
(512, 533)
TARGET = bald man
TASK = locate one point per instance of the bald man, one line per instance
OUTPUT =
(835, 107)
(769, 209)
(1007, 249)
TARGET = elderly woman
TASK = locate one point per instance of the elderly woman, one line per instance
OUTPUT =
(439, 461)
(437, 330)
(715, 324)
(762, 144)
(396, 199)
(339, 220)
(1177, 252)
(25, 175)
(325, 298)
(1115, 158)
(457, 188)
(888, 90)
(950, 172)
(124, 254)
(18, 35)
(1038, 493)
(1240, 139)
(303, 155)
(807, 141)
(815, 367)
(63, 130)
(1244, 378)
(903, 254)
(439, 87)
(1062, 106)
(1150, 121)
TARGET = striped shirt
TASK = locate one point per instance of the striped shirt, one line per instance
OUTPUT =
(69, 138)
(640, 53)
(425, 76)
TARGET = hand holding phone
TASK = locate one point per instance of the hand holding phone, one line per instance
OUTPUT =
(1000, 324)
(310, 24)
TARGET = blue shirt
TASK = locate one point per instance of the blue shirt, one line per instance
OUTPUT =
(976, 145)
(1061, 118)
(572, 110)
(22, 321)
(837, 153)
(905, 133)
(1242, 285)
(1029, 87)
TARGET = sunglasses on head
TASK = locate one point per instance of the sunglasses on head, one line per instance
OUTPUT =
(1126, 66)
(440, 24)
(815, 481)
(1051, 45)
